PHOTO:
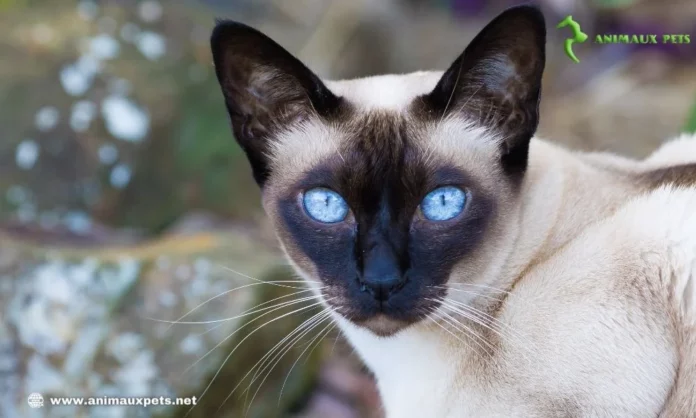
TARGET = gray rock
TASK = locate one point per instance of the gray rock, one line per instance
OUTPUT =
(99, 323)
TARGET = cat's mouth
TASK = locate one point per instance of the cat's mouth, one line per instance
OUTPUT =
(384, 318)
(383, 325)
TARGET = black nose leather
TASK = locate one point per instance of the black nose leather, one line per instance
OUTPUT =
(381, 272)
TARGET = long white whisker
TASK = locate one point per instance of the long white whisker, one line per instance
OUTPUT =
(483, 286)
(178, 321)
(256, 309)
(262, 360)
(483, 315)
(469, 332)
(433, 320)
(216, 321)
(476, 318)
(242, 341)
(521, 341)
(271, 355)
(325, 331)
(281, 353)
(500, 327)
(471, 292)
(272, 282)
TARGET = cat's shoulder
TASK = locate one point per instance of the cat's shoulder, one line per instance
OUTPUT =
(644, 253)
(646, 264)
(619, 284)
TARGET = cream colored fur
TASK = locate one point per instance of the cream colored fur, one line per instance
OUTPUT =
(597, 278)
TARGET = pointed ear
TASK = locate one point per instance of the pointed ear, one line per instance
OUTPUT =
(266, 89)
(496, 82)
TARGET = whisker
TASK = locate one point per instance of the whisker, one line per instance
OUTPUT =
(471, 292)
(178, 321)
(327, 329)
(483, 286)
(319, 342)
(472, 317)
(271, 282)
(215, 321)
(291, 337)
(263, 359)
(433, 320)
(240, 343)
(501, 328)
(281, 353)
(518, 339)
(470, 332)
(484, 315)
(249, 311)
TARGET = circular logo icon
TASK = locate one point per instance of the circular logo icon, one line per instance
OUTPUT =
(35, 400)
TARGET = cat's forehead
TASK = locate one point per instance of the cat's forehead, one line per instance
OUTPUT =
(380, 128)
(384, 146)
(393, 92)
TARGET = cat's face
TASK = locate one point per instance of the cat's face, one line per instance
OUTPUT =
(385, 191)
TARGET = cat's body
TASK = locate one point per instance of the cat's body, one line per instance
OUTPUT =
(601, 310)
(477, 271)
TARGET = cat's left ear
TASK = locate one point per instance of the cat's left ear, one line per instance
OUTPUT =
(496, 82)
(266, 89)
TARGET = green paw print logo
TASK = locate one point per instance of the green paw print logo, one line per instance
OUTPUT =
(578, 36)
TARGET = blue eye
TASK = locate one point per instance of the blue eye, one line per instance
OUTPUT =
(325, 205)
(443, 203)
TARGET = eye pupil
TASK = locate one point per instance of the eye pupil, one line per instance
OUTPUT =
(443, 203)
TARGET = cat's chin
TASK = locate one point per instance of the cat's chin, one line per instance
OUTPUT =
(383, 326)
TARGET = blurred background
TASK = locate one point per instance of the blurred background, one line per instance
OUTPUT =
(125, 204)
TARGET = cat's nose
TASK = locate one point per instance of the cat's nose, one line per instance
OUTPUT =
(381, 272)
(381, 286)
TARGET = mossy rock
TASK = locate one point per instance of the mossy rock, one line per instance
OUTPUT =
(167, 147)
(89, 323)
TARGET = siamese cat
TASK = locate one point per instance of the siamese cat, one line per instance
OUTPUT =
(477, 270)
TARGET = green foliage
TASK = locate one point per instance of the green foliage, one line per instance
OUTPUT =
(611, 4)
(6, 4)
(691, 122)
(208, 154)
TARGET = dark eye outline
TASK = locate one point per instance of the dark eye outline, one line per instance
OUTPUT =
(303, 204)
(467, 198)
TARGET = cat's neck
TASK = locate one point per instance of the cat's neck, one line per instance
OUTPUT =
(563, 192)
(420, 353)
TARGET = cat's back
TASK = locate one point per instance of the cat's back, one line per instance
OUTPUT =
(614, 309)
(667, 215)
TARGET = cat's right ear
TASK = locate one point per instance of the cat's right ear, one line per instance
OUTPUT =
(266, 89)
(496, 82)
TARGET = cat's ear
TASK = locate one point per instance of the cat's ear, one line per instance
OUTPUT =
(496, 82)
(266, 89)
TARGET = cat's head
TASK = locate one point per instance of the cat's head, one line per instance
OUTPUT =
(385, 190)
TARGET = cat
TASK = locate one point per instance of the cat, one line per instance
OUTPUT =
(477, 270)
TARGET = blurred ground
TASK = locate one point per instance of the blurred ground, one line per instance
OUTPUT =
(117, 166)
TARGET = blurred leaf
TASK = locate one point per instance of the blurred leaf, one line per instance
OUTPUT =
(6, 4)
(612, 4)
(209, 155)
(691, 123)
